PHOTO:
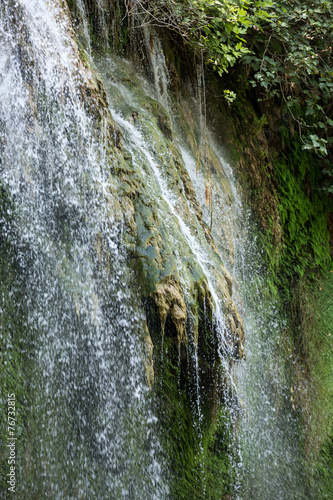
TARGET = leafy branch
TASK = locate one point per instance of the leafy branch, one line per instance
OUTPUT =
(286, 46)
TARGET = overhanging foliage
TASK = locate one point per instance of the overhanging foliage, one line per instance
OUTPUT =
(284, 48)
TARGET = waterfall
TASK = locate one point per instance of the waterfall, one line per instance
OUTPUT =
(270, 463)
(99, 179)
(141, 140)
(93, 433)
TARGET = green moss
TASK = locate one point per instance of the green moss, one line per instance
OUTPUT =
(15, 361)
(312, 316)
(195, 428)
(295, 241)
(302, 211)
(323, 476)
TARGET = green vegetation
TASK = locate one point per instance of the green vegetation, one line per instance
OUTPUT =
(302, 212)
(283, 49)
(197, 441)
(303, 218)
(312, 308)
(323, 478)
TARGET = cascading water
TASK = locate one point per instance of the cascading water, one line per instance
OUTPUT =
(270, 458)
(142, 146)
(268, 436)
(94, 431)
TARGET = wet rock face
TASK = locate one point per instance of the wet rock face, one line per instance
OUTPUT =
(149, 358)
(172, 279)
(235, 333)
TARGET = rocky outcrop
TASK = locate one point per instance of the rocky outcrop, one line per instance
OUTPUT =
(169, 300)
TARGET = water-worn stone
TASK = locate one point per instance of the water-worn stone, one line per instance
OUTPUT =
(169, 300)
(160, 252)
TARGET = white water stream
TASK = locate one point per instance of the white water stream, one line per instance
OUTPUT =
(84, 22)
(94, 435)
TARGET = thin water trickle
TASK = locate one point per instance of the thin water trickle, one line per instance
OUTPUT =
(159, 68)
(84, 22)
